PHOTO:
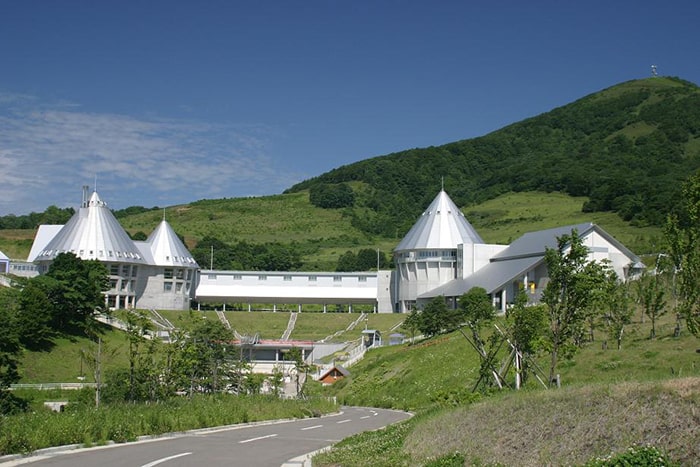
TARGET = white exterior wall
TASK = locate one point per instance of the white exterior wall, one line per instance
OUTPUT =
(385, 291)
(289, 287)
(601, 250)
(473, 257)
(151, 290)
(421, 271)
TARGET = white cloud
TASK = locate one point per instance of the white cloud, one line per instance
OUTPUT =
(47, 154)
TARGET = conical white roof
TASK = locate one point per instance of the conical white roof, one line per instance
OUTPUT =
(93, 233)
(167, 248)
(441, 226)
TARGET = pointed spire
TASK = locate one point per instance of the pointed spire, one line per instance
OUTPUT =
(441, 226)
(167, 248)
(93, 233)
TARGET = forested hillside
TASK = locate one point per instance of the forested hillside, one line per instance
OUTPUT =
(626, 148)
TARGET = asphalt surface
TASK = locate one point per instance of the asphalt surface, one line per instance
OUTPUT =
(264, 444)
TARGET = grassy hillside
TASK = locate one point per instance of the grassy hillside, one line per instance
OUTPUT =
(63, 364)
(646, 393)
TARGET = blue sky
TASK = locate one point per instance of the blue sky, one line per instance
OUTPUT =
(167, 102)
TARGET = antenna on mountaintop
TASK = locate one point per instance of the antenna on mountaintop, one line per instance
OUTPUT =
(653, 71)
(95, 182)
(442, 182)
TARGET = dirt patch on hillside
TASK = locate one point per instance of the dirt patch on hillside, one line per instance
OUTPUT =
(568, 426)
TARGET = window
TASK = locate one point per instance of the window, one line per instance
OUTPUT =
(362, 279)
(125, 270)
(114, 269)
(237, 277)
(287, 278)
(167, 286)
(211, 276)
(134, 271)
(178, 287)
(113, 284)
(312, 278)
(168, 273)
(337, 278)
(262, 277)
(179, 273)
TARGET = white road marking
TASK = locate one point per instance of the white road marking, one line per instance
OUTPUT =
(166, 459)
(344, 421)
(366, 416)
(311, 427)
(256, 439)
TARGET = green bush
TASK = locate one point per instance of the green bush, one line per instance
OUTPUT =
(637, 456)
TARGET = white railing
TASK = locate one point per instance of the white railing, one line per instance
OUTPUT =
(48, 386)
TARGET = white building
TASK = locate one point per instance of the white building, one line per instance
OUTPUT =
(158, 273)
(441, 255)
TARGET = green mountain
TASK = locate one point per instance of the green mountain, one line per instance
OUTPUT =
(615, 157)
(626, 148)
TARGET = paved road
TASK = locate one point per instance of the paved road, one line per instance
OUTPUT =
(270, 444)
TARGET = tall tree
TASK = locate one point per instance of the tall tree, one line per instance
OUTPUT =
(573, 283)
(76, 292)
(10, 353)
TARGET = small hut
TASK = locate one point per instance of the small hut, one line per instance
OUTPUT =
(333, 374)
(372, 338)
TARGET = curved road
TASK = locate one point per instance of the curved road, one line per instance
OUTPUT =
(266, 444)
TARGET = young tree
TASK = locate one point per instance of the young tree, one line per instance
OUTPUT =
(527, 326)
(412, 323)
(573, 281)
(653, 299)
(476, 310)
(137, 327)
(618, 311)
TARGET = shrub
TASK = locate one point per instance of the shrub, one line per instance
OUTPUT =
(640, 456)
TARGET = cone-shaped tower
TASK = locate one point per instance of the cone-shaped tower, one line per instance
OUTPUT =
(427, 256)
(93, 233)
(167, 248)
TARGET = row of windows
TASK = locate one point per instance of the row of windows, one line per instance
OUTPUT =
(126, 270)
(122, 285)
(101, 253)
(287, 278)
(170, 273)
(168, 287)
(437, 253)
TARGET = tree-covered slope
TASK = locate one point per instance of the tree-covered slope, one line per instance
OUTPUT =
(626, 148)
